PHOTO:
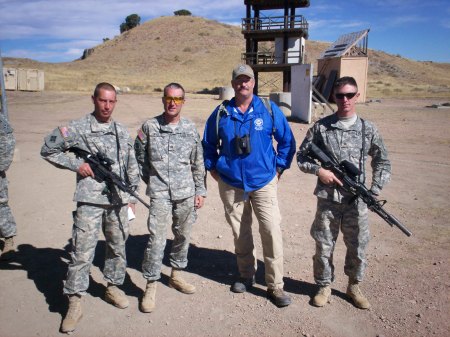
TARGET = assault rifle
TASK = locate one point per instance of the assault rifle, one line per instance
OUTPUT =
(102, 166)
(346, 172)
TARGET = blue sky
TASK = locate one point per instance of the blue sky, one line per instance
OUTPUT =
(59, 30)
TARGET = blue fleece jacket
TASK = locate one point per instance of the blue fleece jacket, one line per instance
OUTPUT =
(251, 171)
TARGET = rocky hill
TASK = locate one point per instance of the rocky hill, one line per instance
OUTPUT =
(200, 53)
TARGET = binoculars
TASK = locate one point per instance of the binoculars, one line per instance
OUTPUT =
(242, 144)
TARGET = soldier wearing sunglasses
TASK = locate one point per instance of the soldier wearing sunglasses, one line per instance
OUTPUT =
(343, 136)
(170, 158)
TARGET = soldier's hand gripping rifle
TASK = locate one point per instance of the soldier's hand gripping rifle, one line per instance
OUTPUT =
(102, 165)
(346, 172)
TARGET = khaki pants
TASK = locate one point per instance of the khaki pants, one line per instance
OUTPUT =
(238, 213)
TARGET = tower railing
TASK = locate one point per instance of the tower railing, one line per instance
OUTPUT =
(265, 58)
(288, 22)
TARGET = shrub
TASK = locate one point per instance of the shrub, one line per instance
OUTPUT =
(213, 91)
(131, 21)
(182, 12)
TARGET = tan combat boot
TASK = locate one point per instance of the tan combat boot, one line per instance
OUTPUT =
(116, 297)
(357, 296)
(178, 283)
(279, 297)
(73, 315)
(8, 248)
(148, 301)
(322, 297)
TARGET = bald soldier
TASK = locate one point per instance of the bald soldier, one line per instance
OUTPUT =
(100, 205)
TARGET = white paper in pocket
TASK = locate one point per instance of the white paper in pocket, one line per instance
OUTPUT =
(131, 215)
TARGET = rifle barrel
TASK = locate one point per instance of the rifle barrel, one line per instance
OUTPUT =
(390, 219)
(352, 186)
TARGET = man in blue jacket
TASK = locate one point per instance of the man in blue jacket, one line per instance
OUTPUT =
(239, 154)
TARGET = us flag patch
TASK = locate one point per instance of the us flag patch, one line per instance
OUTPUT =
(141, 135)
(64, 131)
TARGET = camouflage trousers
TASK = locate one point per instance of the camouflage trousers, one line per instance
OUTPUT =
(88, 221)
(181, 215)
(352, 220)
(7, 223)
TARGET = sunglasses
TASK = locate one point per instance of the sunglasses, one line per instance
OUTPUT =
(176, 100)
(348, 95)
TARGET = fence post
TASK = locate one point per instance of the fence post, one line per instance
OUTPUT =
(4, 109)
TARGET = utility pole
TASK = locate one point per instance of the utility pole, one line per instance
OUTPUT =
(4, 106)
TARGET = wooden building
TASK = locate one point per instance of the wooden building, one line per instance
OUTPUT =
(345, 57)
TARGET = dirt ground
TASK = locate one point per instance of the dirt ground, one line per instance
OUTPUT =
(407, 279)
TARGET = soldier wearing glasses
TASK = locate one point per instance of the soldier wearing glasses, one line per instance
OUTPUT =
(343, 136)
(170, 158)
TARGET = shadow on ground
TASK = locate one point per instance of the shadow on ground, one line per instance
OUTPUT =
(47, 268)
(213, 264)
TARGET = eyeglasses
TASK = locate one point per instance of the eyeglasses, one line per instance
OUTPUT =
(348, 95)
(176, 100)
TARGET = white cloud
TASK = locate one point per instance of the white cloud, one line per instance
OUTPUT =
(78, 44)
(333, 25)
(70, 19)
(76, 25)
(393, 3)
(74, 52)
(46, 56)
(405, 20)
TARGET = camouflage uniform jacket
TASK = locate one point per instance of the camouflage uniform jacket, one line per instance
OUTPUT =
(87, 133)
(170, 160)
(7, 143)
(341, 144)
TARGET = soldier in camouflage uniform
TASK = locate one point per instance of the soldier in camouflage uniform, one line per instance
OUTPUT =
(100, 205)
(343, 136)
(7, 223)
(170, 157)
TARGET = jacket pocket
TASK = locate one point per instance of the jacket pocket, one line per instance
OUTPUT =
(155, 147)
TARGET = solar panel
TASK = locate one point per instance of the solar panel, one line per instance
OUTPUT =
(346, 42)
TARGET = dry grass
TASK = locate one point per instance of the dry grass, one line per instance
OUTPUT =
(395, 76)
(200, 54)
